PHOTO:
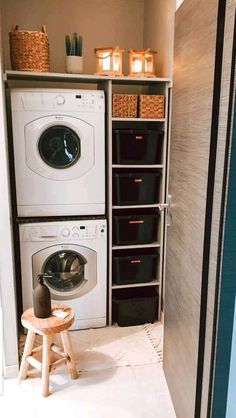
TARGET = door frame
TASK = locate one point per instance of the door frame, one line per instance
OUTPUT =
(7, 273)
(223, 327)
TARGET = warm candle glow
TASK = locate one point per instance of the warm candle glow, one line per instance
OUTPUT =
(137, 66)
(109, 61)
(141, 62)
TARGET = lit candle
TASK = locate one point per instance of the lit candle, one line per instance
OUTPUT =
(137, 66)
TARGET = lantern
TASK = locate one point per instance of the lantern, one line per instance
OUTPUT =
(141, 62)
(109, 61)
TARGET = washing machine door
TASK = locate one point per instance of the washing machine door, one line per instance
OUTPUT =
(71, 270)
(59, 147)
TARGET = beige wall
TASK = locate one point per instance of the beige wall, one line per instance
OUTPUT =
(159, 33)
(101, 22)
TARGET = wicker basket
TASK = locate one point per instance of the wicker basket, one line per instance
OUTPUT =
(151, 106)
(124, 105)
(29, 50)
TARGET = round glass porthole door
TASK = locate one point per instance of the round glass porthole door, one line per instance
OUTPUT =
(59, 147)
(65, 271)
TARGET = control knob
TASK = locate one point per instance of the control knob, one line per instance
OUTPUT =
(65, 232)
(60, 100)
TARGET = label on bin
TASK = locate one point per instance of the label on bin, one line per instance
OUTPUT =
(136, 222)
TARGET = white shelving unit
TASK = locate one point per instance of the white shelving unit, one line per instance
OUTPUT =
(121, 85)
(146, 86)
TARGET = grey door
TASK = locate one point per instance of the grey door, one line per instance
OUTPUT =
(196, 165)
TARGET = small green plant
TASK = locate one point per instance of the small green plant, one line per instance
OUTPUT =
(74, 45)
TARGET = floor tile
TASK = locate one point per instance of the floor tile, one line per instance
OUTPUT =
(107, 389)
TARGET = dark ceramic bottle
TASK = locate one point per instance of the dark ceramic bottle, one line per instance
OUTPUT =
(42, 299)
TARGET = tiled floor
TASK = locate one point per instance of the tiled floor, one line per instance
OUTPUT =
(123, 392)
(122, 377)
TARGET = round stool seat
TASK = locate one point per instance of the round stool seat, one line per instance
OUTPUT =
(51, 325)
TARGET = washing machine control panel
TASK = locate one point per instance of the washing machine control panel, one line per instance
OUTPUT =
(61, 101)
(82, 231)
(69, 231)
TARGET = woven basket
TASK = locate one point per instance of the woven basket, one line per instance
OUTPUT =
(151, 106)
(124, 105)
(29, 50)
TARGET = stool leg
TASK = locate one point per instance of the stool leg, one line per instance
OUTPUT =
(47, 341)
(27, 351)
(69, 352)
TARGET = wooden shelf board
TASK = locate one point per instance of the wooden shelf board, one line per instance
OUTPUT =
(50, 76)
(126, 286)
(137, 166)
(123, 247)
(156, 205)
(137, 120)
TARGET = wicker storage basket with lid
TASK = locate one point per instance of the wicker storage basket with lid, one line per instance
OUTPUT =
(29, 50)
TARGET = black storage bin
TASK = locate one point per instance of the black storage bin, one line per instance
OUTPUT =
(135, 268)
(136, 188)
(135, 229)
(135, 306)
(137, 146)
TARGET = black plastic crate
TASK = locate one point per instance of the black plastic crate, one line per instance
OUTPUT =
(136, 188)
(135, 306)
(137, 146)
(138, 267)
(135, 229)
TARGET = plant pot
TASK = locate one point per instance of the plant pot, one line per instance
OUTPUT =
(74, 64)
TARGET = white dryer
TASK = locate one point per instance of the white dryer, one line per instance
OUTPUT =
(59, 151)
(73, 254)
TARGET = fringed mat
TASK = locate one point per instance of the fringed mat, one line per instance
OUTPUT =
(111, 347)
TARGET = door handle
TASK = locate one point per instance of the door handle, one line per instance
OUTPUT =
(167, 206)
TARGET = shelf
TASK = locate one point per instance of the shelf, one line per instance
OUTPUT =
(124, 247)
(137, 120)
(156, 205)
(137, 166)
(39, 76)
(126, 286)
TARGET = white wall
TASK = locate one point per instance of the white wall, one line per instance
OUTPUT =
(7, 288)
(100, 22)
(159, 33)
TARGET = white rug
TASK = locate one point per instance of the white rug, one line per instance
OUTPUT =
(111, 347)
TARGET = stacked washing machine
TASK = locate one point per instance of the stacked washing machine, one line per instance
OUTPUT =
(59, 157)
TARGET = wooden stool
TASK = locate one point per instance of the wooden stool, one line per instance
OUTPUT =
(47, 327)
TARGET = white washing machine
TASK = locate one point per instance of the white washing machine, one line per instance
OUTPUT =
(59, 151)
(73, 254)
